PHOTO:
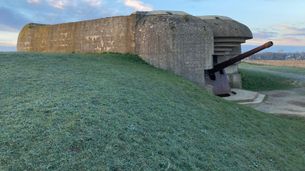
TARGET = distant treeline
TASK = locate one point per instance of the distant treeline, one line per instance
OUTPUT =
(278, 56)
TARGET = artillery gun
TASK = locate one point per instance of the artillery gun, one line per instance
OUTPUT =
(217, 76)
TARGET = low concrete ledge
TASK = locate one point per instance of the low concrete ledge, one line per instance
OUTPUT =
(245, 97)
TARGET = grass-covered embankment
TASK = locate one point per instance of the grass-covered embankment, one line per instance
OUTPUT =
(99, 112)
(264, 78)
(289, 69)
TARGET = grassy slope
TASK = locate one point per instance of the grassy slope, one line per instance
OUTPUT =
(288, 69)
(257, 80)
(77, 112)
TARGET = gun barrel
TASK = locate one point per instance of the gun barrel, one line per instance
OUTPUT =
(220, 66)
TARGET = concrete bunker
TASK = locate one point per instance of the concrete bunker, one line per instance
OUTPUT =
(187, 45)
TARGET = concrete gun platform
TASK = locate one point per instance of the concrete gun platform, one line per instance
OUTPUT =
(245, 97)
(283, 102)
(286, 102)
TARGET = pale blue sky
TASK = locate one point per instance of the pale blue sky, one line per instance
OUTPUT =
(282, 21)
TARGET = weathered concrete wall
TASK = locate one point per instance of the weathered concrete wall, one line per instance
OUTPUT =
(115, 34)
(179, 43)
(174, 41)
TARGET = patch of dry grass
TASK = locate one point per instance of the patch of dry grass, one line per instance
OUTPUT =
(290, 63)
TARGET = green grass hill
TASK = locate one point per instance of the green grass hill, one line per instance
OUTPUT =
(115, 112)
(264, 77)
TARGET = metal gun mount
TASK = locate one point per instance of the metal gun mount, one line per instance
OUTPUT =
(217, 76)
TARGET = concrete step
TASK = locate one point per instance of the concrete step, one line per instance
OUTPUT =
(245, 97)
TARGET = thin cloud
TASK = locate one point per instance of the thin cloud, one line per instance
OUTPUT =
(8, 38)
(138, 5)
(8, 43)
(62, 4)
(292, 31)
(287, 41)
(281, 35)
(94, 3)
(59, 4)
(33, 1)
(70, 11)
(291, 41)
(265, 34)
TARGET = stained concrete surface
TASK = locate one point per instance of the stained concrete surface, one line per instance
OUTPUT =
(289, 102)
